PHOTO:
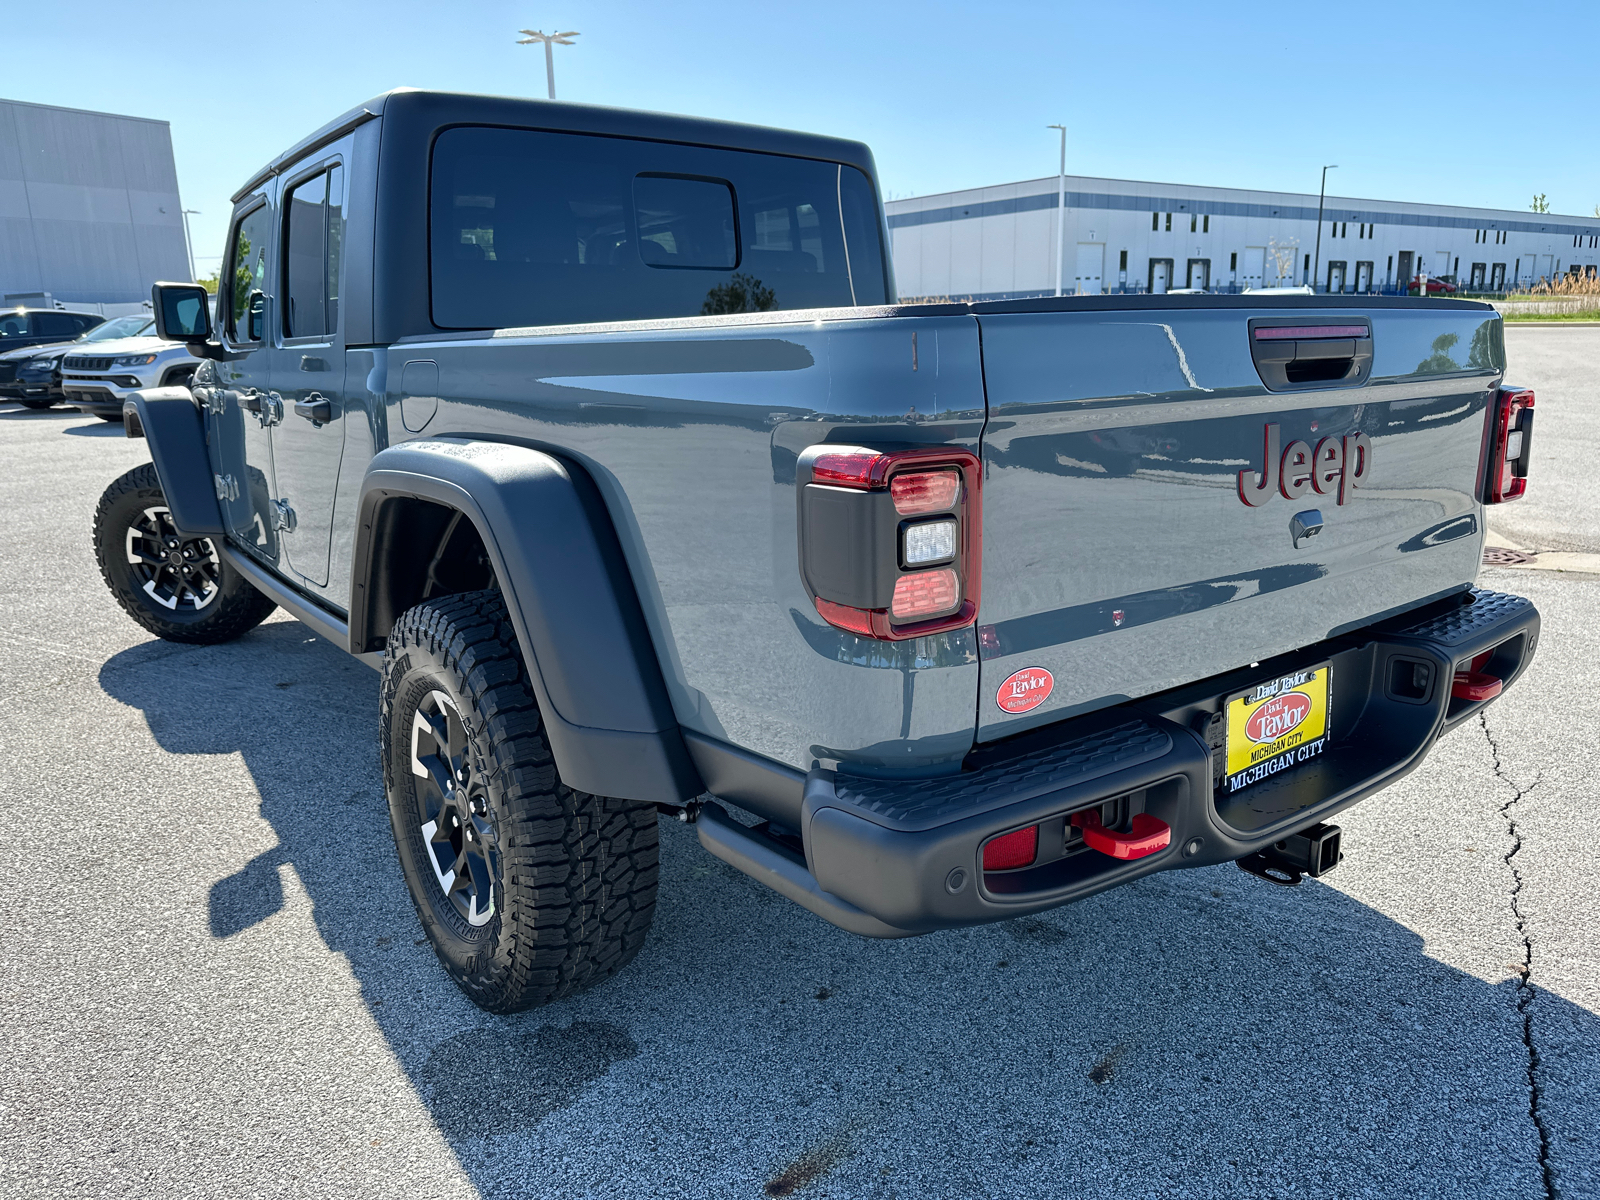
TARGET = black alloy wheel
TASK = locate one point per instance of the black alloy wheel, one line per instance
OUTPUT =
(177, 587)
(173, 571)
(453, 811)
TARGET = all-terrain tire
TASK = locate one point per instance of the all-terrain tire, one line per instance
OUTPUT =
(197, 598)
(36, 405)
(528, 890)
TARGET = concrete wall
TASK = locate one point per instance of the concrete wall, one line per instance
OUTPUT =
(1000, 242)
(89, 205)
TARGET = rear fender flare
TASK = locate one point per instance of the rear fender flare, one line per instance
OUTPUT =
(555, 555)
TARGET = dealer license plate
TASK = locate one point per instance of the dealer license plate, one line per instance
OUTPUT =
(1278, 724)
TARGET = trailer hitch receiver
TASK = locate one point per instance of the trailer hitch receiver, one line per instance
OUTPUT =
(1314, 852)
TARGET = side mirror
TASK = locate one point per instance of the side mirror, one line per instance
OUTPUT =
(182, 312)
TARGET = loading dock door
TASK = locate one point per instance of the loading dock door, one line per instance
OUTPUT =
(1253, 266)
(1497, 277)
(1363, 277)
(1406, 273)
(1335, 277)
(1160, 275)
(1091, 267)
(1199, 274)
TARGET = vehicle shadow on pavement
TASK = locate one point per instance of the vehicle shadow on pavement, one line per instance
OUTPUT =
(98, 429)
(1198, 1033)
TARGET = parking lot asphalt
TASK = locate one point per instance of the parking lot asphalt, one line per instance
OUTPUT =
(212, 981)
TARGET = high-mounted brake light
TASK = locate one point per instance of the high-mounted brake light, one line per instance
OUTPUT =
(1510, 446)
(870, 570)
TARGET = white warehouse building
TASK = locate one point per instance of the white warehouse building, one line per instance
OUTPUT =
(999, 243)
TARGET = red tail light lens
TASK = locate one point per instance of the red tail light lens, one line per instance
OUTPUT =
(918, 492)
(1510, 446)
(850, 468)
(1011, 850)
(925, 594)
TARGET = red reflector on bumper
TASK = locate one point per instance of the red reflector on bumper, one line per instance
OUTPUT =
(1011, 850)
(1147, 835)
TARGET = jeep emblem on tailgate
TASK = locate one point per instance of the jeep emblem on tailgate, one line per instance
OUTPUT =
(1336, 465)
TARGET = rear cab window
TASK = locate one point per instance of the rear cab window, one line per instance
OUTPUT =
(530, 228)
(313, 247)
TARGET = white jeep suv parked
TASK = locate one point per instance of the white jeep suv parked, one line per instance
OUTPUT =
(97, 379)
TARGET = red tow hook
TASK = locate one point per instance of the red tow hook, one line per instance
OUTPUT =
(1148, 835)
(1476, 685)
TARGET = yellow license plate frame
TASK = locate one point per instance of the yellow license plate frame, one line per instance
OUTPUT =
(1278, 724)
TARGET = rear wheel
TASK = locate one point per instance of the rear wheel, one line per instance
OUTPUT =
(177, 587)
(37, 404)
(528, 890)
(117, 417)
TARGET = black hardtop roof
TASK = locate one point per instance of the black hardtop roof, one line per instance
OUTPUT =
(438, 109)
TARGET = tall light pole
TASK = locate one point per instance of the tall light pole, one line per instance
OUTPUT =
(1316, 265)
(549, 40)
(1061, 206)
(188, 242)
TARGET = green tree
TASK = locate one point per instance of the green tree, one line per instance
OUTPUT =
(1540, 204)
(742, 293)
(1440, 362)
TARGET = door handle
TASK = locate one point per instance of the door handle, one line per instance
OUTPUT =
(316, 408)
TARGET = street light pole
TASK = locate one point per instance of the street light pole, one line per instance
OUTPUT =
(1061, 206)
(188, 242)
(1316, 266)
(533, 36)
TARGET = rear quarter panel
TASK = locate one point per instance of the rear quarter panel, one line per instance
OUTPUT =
(691, 430)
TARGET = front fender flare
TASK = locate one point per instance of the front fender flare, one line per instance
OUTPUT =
(572, 603)
(168, 419)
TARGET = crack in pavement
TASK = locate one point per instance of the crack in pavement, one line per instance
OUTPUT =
(1525, 989)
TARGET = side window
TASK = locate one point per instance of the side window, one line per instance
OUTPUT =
(247, 275)
(55, 325)
(313, 245)
(14, 325)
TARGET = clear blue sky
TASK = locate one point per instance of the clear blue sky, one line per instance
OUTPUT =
(1453, 103)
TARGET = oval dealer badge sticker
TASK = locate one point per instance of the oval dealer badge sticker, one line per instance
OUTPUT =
(1028, 688)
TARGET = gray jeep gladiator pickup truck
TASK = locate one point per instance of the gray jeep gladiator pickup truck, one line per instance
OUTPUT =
(600, 435)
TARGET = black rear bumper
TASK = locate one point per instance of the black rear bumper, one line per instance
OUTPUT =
(891, 858)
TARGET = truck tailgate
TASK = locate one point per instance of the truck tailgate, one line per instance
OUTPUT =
(1119, 554)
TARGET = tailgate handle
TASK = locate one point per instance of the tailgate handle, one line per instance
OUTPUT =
(1290, 356)
(1147, 835)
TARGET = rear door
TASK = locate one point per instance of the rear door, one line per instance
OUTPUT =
(308, 366)
(1119, 553)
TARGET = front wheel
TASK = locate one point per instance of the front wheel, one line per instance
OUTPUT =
(177, 587)
(38, 404)
(528, 890)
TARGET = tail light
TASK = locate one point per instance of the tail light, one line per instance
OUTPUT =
(891, 541)
(1510, 446)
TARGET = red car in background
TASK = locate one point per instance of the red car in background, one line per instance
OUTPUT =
(1436, 285)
